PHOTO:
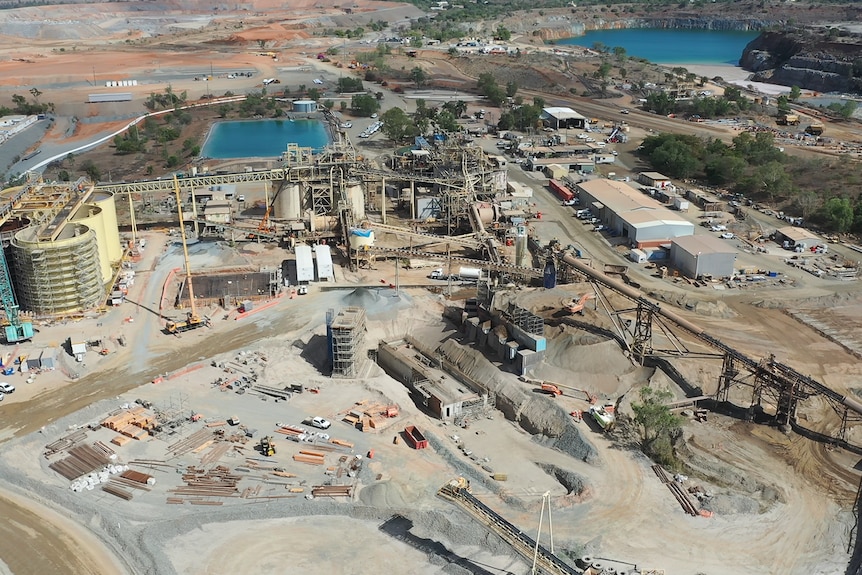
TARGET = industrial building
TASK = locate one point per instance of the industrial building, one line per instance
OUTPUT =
(703, 255)
(559, 117)
(64, 244)
(630, 214)
(654, 180)
(445, 394)
(792, 237)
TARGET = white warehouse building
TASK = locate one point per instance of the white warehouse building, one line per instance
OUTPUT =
(703, 255)
(643, 221)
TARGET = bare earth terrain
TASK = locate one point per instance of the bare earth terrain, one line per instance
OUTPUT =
(779, 503)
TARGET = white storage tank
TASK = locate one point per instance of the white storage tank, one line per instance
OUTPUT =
(356, 195)
(360, 238)
(304, 106)
(288, 203)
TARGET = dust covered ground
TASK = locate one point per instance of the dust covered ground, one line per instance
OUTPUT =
(781, 491)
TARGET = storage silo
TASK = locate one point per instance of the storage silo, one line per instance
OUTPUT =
(360, 238)
(91, 216)
(304, 106)
(57, 276)
(288, 203)
(356, 194)
(107, 201)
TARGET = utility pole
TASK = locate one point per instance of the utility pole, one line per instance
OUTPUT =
(94, 76)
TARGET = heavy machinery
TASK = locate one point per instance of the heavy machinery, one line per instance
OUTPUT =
(577, 306)
(267, 446)
(555, 389)
(551, 389)
(193, 320)
(15, 328)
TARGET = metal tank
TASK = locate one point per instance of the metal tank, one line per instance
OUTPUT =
(304, 106)
(288, 203)
(360, 238)
(57, 276)
(91, 216)
(356, 194)
(107, 201)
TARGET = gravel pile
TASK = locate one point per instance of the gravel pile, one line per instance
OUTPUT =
(573, 482)
(535, 414)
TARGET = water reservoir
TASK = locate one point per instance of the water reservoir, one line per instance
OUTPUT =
(262, 138)
(304, 106)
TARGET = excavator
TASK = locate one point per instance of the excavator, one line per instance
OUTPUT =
(193, 320)
(577, 306)
(267, 446)
(554, 389)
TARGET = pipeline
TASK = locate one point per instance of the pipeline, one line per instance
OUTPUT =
(784, 370)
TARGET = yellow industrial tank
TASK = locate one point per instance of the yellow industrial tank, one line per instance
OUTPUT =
(288, 203)
(91, 216)
(57, 276)
(107, 201)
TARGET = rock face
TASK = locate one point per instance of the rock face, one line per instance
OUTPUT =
(569, 28)
(810, 60)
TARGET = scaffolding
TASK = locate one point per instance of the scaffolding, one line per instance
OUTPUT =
(345, 332)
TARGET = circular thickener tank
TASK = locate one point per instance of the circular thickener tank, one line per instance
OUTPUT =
(56, 276)
(356, 195)
(360, 238)
(288, 203)
(107, 201)
(91, 216)
(12, 227)
(304, 106)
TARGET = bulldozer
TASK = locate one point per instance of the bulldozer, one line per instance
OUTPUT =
(267, 446)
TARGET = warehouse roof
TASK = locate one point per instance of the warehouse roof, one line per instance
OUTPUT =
(797, 234)
(563, 113)
(703, 243)
(645, 217)
(616, 196)
(655, 176)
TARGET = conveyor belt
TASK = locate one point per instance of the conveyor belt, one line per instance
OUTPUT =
(546, 562)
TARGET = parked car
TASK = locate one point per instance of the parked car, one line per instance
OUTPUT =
(726, 236)
(6, 388)
(321, 423)
(572, 202)
(240, 198)
(302, 290)
(624, 111)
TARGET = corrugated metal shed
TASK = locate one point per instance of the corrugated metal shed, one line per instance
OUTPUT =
(325, 270)
(114, 97)
(304, 264)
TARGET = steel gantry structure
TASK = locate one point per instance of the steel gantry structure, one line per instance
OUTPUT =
(777, 383)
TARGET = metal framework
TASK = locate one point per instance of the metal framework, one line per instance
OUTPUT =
(346, 332)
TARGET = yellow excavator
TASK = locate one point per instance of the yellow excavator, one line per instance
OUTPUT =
(193, 320)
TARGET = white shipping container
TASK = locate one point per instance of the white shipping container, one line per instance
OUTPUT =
(324, 262)
(304, 264)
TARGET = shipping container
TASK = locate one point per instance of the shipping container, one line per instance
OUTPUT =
(304, 264)
(560, 190)
(415, 437)
(324, 262)
(469, 274)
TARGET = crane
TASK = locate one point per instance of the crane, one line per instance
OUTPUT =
(17, 329)
(193, 320)
(265, 225)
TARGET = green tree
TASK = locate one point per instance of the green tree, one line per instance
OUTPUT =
(418, 76)
(364, 104)
(502, 33)
(397, 125)
(92, 170)
(224, 110)
(172, 161)
(620, 53)
(511, 89)
(773, 180)
(188, 144)
(314, 94)
(839, 215)
(795, 93)
(783, 104)
(676, 159)
(349, 84)
(63, 176)
(657, 425)
(446, 121)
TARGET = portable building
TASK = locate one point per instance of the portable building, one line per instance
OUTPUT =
(323, 255)
(638, 256)
(304, 264)
(110, 97)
